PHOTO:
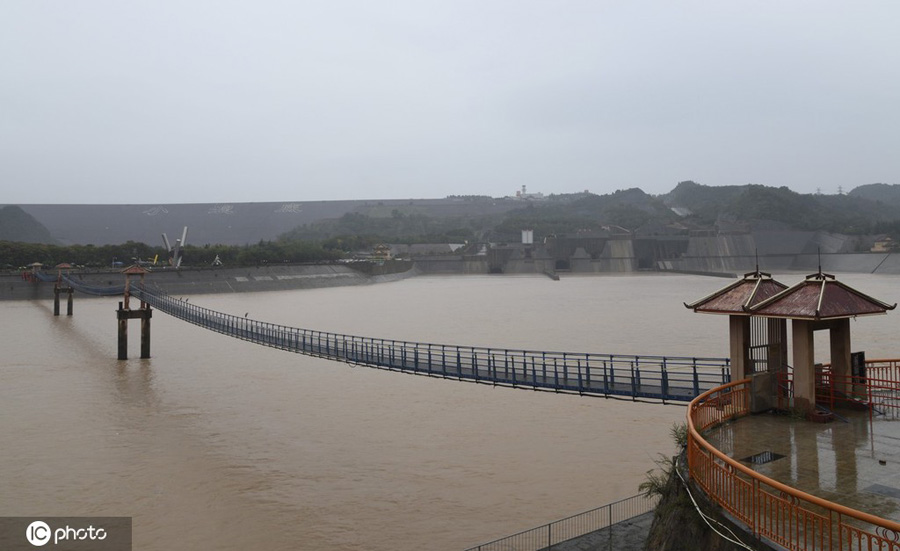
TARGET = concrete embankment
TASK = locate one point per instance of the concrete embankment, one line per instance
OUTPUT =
(190, 281)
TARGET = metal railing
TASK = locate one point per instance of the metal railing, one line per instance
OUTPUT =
(877, 390)
(654, 377)
(544, 538)
(780, 513)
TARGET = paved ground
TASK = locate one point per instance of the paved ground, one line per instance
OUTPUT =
(855, 463)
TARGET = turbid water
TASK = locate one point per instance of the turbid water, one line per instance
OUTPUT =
(214, 443)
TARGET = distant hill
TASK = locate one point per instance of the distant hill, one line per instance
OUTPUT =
(704, 201)
(18, 225)
(886, 193)
(867, 210)
(624, 210)
(849, 214)
(234, 223)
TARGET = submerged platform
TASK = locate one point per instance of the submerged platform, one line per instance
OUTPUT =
(853, 461)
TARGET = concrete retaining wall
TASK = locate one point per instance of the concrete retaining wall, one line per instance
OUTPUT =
(452, 265)
(190, 281)
(778, 252)
(864, 263)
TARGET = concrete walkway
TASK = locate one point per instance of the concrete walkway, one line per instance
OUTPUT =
(628, 535)
(855, 463)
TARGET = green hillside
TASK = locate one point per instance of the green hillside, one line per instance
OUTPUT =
(849, 214)
(323, 229)
(17, 225)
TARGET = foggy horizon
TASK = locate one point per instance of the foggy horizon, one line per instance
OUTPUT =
(227, 102)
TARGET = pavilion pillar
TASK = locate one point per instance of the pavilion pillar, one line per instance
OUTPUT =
(804, 365)
(739, 333)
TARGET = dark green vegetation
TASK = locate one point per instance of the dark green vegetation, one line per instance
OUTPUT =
(357, 230)
(17, 254)
(867, 210)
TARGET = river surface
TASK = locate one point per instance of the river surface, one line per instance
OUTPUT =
(214, 443)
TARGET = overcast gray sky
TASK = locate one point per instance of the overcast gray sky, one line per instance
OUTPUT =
(263, 100)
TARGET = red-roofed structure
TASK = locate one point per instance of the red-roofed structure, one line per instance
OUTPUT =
(758, 306)
(756, 344)
(820, 297)
(752, 289)
(135, 269)
(819, 302)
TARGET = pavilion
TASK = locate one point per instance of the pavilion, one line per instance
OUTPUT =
(758, 307)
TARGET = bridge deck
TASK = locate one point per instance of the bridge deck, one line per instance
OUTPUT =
(652, 377)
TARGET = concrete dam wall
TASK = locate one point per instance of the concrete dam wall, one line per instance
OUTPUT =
(710, 253)
(772, 251)
(779, 251)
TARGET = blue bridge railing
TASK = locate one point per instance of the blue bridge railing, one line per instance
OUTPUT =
(655, 377)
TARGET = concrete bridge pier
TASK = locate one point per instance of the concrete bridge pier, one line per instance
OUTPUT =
(69, 300)
(123, 314)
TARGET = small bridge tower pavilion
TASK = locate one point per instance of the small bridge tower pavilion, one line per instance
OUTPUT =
(758, 307)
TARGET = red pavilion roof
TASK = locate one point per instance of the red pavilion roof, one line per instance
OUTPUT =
(820, 297)
(135, 269)
(737, 297)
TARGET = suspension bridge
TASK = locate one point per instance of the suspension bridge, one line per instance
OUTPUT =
(665, 378)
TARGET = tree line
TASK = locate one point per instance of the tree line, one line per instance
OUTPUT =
(17, 255)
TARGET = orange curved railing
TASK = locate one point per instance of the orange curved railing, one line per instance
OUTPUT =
(784, 515)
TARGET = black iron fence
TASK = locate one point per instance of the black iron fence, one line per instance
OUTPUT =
(551, 536)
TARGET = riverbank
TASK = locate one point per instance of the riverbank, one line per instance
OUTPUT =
(206, 280)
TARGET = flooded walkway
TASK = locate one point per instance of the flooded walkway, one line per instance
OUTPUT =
(855, 463)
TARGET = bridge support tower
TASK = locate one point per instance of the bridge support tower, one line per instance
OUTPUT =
(125, 313)
(69, 299)
(59, 287)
